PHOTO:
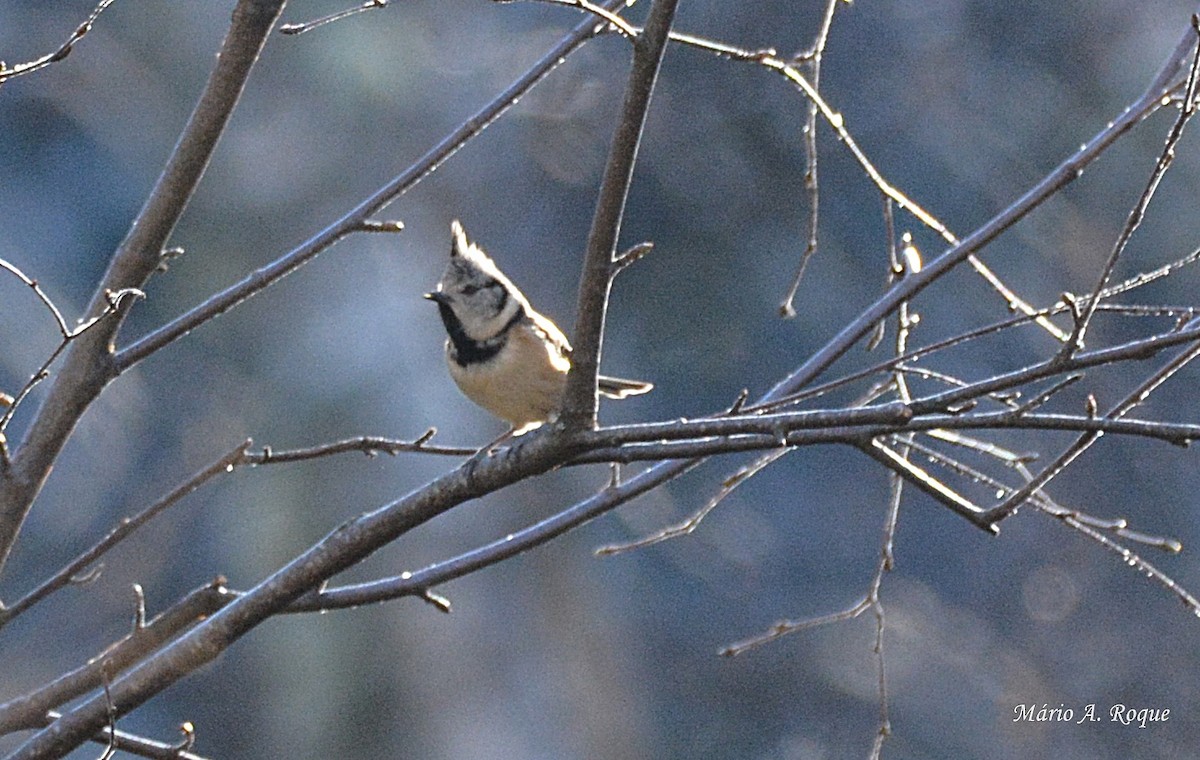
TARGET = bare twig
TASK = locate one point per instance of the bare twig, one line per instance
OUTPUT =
(1062, 175)
(127, 526)
(369, 445)
(371, 225)
(355, 219)
(1118, 527)
(902, 362)
(1141, 348)
(693, 521)
(63, 328)
(237, 457)
(1136, 562)
(308, 26)
(900, 464)
(114, 302)
(143, 747)
(111, 747)
(617, 23)
(769, 60)
(788, 627)
(1085, 441)
(62, 52)
(812, 185)
(633, 254)
(1138, 213)
(189, 737)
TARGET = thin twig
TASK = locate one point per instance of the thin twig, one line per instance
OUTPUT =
(1136, 562)
(308, 26)
(1134, 219)
(42, 372)
(1061, 176)
(369, 445)
(728, 486)
(788, 627)
(769, 60)
(1118, 526)
(63, 329)
(137, 745)
(238, 457)
(1185, 312)
(618, 24)
(126, 528)
(812, 185)
(1141, 348)
(1085, 441)
(62, 52)
(111, 747)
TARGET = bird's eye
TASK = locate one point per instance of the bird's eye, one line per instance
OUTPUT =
(470, 290)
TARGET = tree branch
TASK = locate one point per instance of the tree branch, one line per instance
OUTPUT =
(127, 526)
(419, 582)
(29, 711)
(88, 365)
(579, 400)
(140, 745)
(345, 546)
(61, 53)
(1062, 175)
(356, 220)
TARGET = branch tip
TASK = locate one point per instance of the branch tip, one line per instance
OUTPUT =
(87, 576)
(188, 729)
(139, 608)
(307, 26)
(372, 225)
(439, 602)
(739, 402)
(632, 255)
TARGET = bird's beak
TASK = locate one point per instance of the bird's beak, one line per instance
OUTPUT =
(438, 296)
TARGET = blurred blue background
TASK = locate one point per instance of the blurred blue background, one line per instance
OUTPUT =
(559, 654)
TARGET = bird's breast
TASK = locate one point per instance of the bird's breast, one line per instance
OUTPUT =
(522, 383)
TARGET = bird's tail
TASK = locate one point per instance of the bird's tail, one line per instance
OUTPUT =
(615, 387)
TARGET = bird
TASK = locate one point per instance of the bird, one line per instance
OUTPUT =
(502, 353)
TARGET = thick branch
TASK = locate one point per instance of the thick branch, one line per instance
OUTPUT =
(417, 583)
(88, 365)
(347, 545)
(579, 401)
(30, 710)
